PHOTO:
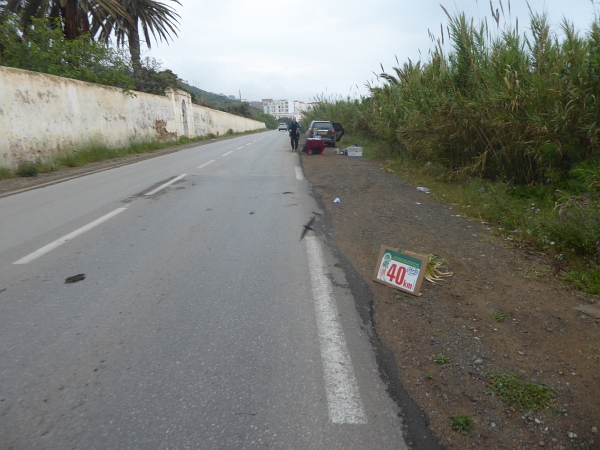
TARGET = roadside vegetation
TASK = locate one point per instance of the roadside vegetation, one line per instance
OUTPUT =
(99, 152)
(99, 42)
(503, 126)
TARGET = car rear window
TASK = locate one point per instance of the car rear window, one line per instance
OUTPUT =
(323, 126)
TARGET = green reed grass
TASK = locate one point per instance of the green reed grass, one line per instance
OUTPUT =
(500, 123)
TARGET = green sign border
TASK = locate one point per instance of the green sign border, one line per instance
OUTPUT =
(404, 259)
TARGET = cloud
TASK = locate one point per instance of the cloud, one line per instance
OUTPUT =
(298, 50)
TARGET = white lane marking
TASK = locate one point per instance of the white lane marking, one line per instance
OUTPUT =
(240, 147)
(205, 164)
(299, 174)
(168, 183)
(68, 237)
(341, 387)
(225, 154)
(249, 143)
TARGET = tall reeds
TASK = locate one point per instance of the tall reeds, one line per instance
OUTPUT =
(498, 104)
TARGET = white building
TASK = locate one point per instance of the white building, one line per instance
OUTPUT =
(286, 108)
(277, 108)
(300, 108)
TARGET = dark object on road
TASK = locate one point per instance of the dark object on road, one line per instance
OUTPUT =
(75, 278)
(307, 227)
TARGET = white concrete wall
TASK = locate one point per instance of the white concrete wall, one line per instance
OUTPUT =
(43, 116)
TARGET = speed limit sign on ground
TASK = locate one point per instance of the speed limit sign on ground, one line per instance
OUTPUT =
(403, 271)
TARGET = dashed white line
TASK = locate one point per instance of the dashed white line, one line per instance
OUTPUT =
(168, 183)
(205, 164)
(299, 174)
(225, 154)
(68, 237)
(249, 143)
(240, 147)
(341, 387)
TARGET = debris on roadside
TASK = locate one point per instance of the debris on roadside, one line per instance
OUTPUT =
(308, 227)
(75, 278)
(433, 272)
(590, 310)
(337, 200)
(423, 189)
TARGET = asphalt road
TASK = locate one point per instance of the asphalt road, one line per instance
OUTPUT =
(203, 322)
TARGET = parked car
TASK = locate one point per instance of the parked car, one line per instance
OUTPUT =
(330, 132)
(282, 126)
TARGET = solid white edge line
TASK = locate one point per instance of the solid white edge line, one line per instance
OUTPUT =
(225, 154)
(299, 174)
(341, 387)
(68, 237)
(205, 164)
(168, 183)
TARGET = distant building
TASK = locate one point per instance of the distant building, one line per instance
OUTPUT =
(284, 108)
(277, 108)
(301, 107)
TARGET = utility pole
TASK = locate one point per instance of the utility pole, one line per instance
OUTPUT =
(240, 96)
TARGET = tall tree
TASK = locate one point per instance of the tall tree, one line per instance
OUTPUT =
(75, 15)
(147, 17)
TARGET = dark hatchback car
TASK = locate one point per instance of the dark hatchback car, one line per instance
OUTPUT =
(330, 132)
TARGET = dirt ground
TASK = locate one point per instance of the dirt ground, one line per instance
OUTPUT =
(543, 338)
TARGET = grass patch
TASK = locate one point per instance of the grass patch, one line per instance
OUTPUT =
(461, 423)
(585, 279)
(441, 359)
(27, 170)
(99, 152)
(428, 376)
(498, 317)
(521, 394)
(5, 173)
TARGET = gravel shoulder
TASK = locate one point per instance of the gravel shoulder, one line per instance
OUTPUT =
(543, 338)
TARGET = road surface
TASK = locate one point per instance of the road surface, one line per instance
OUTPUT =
(203, 322)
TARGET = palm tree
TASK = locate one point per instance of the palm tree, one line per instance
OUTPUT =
(149, 16)
(75, 14)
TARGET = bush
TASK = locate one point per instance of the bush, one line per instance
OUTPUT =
(42, 48)
(4, 173)
(498, 106)
(27, 170)
(461, 423)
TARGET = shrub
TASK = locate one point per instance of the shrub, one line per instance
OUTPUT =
(461, 423)
(27, 170)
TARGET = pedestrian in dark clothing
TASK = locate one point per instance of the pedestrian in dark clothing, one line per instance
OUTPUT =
(294, 129)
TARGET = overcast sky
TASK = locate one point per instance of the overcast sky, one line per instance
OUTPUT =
(298, 50)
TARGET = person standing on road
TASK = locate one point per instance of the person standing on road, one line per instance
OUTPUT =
(294, 129)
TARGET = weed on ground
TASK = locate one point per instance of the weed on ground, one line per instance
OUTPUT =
(520, 394)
